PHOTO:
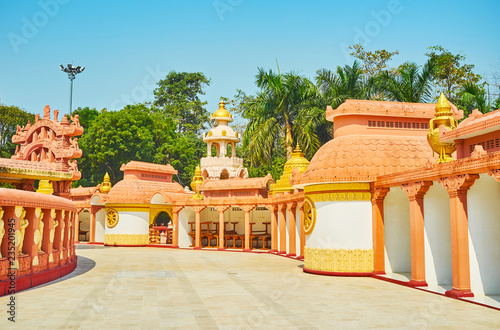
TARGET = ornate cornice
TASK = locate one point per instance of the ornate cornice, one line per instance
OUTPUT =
(433, 172)
(416, 189)
(379, 194)
(495, 174)
(456, 183)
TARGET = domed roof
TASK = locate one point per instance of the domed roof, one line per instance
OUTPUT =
(222, 113)
(364, 157)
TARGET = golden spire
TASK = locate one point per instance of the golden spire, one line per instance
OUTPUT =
(106, 184)
(443, 107)
(197, 180)
(296, 161)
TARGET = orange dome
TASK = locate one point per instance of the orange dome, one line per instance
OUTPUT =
(363, 158)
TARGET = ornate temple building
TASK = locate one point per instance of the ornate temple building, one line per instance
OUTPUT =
(404, 192)
(37, 228)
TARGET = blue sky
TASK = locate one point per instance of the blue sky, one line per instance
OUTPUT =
(127, 46)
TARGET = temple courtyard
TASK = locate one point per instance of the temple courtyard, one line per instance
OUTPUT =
(148, 288)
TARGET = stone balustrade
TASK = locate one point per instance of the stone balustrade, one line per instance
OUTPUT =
(222, 161)
(37, 239)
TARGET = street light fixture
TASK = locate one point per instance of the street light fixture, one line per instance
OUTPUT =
(72, 71)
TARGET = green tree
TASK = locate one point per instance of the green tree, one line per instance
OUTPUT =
(178, 97)
(87, 116)
(411, 83)
(473, 96)
(346, 82)
(280, 111)
(373, 62)
(450, 74)
(115, 138)
(10, 117)
(183, 152)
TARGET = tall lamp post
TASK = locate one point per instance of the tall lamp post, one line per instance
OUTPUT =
(72, 71)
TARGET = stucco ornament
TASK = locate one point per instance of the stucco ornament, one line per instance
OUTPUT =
(309, 216)
(111, 218)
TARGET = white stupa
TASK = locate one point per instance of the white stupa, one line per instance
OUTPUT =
(222, 165)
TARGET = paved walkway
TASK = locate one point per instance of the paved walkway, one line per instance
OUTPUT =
(149, 288)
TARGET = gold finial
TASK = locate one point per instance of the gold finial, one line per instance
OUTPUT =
(222, 112)
(45, 187)
(443, 107)
(297, 149)
(442, 117)
(106, 184)
(197, 180)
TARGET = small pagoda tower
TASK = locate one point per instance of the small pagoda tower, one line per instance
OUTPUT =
(224, 164)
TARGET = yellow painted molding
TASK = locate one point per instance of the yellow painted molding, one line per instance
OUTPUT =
(342, 260)
(341, 197)
(130, 207)
(337, 186)
(51, 258)
(35, 261)
(126, 239)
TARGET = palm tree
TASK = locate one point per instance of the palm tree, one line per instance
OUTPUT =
(348, 82)
(409, 84)
(283, 112)
(473, 96)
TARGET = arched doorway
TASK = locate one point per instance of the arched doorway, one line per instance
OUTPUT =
(162, 219)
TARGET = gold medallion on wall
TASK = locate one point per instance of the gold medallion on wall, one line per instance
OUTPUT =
(111, 218)
(309, 215)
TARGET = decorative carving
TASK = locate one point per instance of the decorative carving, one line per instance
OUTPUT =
(478, 152)
(35, 261)
(342, 261)
(455, 183)
(380, 193)
(309, 216)
(198, 208)
(111, 218)
(416, 189)
(177, 208)
(222, 208)
(247, 208)
(495, 174)
(340, 197)
(24, 224)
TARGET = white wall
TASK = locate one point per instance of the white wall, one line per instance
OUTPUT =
(483, 201)
(131, 223)
(100, 217)
(438, 269)
(397, 232)
(342, 225)
(185, 215)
